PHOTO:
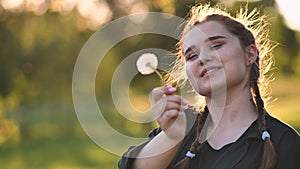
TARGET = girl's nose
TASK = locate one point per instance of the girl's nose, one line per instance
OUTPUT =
(200, 62)
(203, 58)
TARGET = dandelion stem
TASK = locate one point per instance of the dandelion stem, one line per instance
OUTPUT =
(163, 82)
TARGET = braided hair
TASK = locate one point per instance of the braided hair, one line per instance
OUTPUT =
(196, 145)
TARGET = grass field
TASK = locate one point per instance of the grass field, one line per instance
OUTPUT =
(59, 153)
(287, 106)
(70, 152)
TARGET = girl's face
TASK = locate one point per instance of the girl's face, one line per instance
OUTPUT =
(215, 60)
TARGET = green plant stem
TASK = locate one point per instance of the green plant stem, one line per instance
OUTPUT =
(163, 82)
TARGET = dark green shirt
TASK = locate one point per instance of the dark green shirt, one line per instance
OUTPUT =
(245, 153)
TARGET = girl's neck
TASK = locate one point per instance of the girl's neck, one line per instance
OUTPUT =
(232, 107)
(228, 118)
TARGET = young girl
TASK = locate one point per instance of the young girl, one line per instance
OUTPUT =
(225, 60)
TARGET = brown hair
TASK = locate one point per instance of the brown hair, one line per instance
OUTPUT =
(250, 29)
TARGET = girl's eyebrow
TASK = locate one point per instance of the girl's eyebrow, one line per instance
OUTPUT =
(192, 48)
(212, 38)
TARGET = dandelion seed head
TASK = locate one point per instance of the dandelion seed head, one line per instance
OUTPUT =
(147, 63)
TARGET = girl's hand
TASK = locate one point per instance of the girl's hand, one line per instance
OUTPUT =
(168, 109)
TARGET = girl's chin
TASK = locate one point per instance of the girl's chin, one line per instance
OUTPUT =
(208, 91)
(204, 92)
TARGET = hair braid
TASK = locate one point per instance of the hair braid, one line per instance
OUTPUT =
(269, 154)
(196, 145)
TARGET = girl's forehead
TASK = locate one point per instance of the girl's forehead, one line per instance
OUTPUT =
(201, 32)
(206, 29)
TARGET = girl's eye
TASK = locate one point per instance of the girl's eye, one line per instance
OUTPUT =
(216, 46)
(190, 56)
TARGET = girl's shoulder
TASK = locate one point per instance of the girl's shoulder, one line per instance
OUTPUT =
(286, 141)
(281, 131)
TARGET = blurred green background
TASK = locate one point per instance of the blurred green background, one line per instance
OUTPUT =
(40, 42)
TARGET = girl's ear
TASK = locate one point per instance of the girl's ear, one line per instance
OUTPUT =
(251, 54)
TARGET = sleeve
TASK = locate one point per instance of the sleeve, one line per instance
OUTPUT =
(288, 151)
(128, 157)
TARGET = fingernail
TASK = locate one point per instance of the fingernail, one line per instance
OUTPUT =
(171, 89)
(184, 101)
(169, 85)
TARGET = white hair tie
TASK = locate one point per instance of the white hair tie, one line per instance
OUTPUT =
(189, 154)
(265, 135)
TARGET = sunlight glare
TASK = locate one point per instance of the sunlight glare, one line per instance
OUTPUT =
(67, 5)
(39, 7)
(139, 7)
(97, 12)
(12, 4)
(289, 9)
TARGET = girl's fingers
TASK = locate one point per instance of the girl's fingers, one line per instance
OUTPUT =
(176, 106)
(159, 107)
(166, 106)
(168, 102)
(177, 99)
(167, 119)
(158, 92)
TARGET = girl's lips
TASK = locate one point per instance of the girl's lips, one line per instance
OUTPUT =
(208, 70)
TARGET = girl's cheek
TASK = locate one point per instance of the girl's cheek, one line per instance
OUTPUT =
(191, 78)
(190, 71)
(190, 67)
